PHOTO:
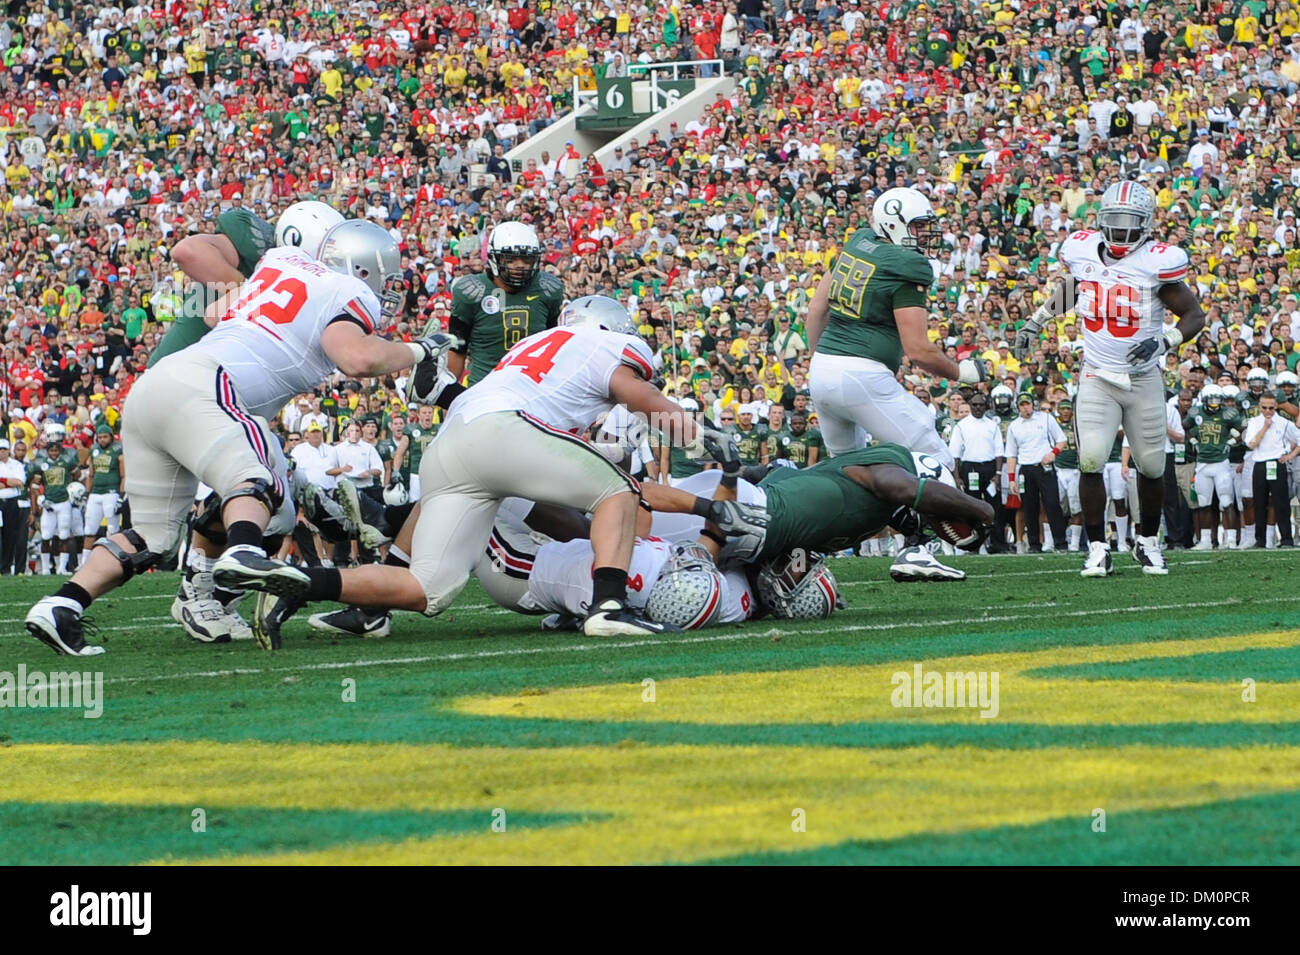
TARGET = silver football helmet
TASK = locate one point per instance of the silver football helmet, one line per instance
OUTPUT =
(790, 589)
(1003, 398)
(364, 250)
(1257, 381)
(1125, 216)
(597, 311)
(304, 225)
(688, 593)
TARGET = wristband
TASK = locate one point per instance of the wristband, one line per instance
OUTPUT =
(729, 480)
(920, 487)
(1055, 451)
(701, 507)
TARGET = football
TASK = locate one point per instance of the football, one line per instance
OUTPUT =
(957, 532)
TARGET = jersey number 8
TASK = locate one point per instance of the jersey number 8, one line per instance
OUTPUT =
(1114, 306)
(514, 326)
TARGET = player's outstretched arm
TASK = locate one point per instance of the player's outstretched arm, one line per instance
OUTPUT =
(210, 259)
(1061, 294)
(359, 355)
(819, 312)
(898, 486)
(665, 416)
(913, 322)
(1180, 299)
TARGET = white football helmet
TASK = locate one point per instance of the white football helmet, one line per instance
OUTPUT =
(364, 250)
(54, 431)
(1125, 216)
(791, 592)
(1230, 392)
(77, 493)
(904, 217)
(597, 311)
(396, 495)
(1002, 399)
(514, 254)
(1288, 382)
(304, 224)
(1212, 398)
(688, 593)
(929, 467)
(1257, 381)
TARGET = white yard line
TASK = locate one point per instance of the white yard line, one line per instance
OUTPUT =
(681, 641)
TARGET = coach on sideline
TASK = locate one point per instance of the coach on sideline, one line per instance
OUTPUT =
(1037, 438)
(13, 484)
(1274, 441)
(976, 446)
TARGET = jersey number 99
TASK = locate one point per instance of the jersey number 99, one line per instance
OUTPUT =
(1112, 306)
(849, 278)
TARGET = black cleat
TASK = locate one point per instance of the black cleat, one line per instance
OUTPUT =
(57, 622)
(354, 621)
(269, 614)
(250, 569)
(613, 618)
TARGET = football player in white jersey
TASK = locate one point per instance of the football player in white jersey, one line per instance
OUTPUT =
(197, 415)
(1120, 282)
(514, 434)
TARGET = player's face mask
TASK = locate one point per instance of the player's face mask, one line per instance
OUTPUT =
(518, 270)
(1123, 231)
(927, 232)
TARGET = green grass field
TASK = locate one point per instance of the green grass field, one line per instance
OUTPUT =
(476, 738)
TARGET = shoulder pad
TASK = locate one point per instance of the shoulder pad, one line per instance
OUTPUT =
(468, 286)
(550, 284)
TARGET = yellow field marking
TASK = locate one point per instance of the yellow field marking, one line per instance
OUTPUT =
(865, 693)
(665, 803)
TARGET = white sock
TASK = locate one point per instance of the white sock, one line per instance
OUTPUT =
(1230, 538)
(1074, 533)
(1121, 529)
(63, 563)
(1248, 535)
(45, 563)
(1272, 535)
(1049, 542)
(199, 562)
(1205, 536)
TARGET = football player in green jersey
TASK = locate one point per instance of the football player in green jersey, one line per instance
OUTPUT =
(1067, 473)
(833, 506)
(221, 261)
(778, 435)
(869, 311)
(1213, 430)
(61, 520)
(1115, 476)
(493, 311)
(749, 436)
(420, 432)
(108, 470)
(805, 445)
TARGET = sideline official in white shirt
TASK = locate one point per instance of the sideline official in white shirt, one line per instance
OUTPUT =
(1036, 438)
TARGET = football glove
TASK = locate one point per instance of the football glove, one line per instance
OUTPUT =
(971, 371)
(432, 347)
(745, 527)
(722, 448)
(906, 521)
(1027, 337)
(1149, 348)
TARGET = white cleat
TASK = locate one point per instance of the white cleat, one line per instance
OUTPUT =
(1203, 545)
(917, 563)
(1146, 551)
(1098, 562)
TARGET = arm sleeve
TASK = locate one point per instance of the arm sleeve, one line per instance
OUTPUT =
(1011, 444)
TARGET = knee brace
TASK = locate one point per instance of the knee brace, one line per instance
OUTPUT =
(266, 492)
(208, 521)
(132, 564)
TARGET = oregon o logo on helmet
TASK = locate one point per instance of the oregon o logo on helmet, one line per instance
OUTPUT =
(894, 207)
(292, 235)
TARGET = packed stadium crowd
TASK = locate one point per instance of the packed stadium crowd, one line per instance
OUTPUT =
(125, 129)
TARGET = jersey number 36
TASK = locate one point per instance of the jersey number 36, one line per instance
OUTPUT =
(1114, 306)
